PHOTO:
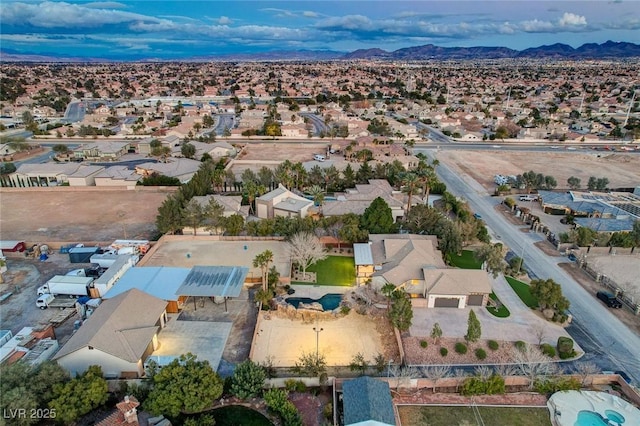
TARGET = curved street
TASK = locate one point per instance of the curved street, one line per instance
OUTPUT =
(605, 339)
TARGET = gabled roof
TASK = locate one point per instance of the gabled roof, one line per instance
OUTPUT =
(272, 194)
(457, 282)
(367, 399)
(122, 326)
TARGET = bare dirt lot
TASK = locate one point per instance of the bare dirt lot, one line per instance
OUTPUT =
(283, 151)
(622, 169)
(63, 214)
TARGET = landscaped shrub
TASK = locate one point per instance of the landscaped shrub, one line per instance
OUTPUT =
(293, 385)
(444, 351)
(278, 402)
(247, 380)
(461, 348)
(556, 384)
(477, 386)
(327, 411)
(520, 345)
(548, 350)
(565, 347)
(481, 353)
(423, 343)
(493, 345)
(344, 309)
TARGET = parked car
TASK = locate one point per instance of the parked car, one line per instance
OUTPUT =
(477, 216)
(609, 299)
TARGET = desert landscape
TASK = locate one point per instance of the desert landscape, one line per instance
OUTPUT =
(622, 169)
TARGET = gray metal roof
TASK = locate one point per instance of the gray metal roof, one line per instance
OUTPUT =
(362, 254)
(213, 281)
(367, 399)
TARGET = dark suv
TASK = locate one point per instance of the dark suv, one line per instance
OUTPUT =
(609, 299)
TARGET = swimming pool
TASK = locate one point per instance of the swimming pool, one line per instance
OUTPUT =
(329, 301)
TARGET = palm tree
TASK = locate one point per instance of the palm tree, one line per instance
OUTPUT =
(410, 183)
(426, 176)
(318, 197)
(388, 290)
(262, 261)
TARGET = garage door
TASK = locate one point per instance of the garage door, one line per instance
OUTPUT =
(475, 300)
(443, 302)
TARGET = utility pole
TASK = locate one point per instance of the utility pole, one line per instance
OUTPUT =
(318, 330)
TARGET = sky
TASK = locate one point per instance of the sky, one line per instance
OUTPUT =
(185, 29)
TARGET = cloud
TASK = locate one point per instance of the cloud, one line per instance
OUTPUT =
(570, 20)
(310, 14)
(105, 5)
(223, 20)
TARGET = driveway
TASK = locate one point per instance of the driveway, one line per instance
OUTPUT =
(523, 323)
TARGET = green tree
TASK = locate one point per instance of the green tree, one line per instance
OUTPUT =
(474, 331)
(635, 235)
(188, 150)
(233, 225)
(262, 261)
(186, 385)
(410, 183)
(573, 182)
(377, 218)
(79, 396)
(549, 295)
(591, 184)
(401, 313)
(193, 215)
(388, 290)
(491, 257)
(7, 168)
(169, 219)
(247, 380)
(358, 363)
(348, 177)
(436, 333)
(310, 364)
(213, 215)
(60, 149)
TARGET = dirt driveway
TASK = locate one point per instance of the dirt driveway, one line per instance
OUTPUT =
(87, 214)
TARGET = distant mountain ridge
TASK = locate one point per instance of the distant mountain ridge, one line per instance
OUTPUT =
(607, 50)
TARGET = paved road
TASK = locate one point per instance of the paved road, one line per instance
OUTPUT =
(316, 121)
(607, 341)
(75, 112)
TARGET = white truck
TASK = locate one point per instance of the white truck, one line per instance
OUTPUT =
(49, 301)
(66, 285)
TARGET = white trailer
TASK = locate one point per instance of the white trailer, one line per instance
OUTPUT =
(66, 285)
(121, 265)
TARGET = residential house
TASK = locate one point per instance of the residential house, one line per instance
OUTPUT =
(180, 168)
(282, 202)
(231, 204)
(414, 263)
(367, 402)
(105, 151)
(119, 336)
(85, 176)
(47, 174)
(357, 199)
(117, 176)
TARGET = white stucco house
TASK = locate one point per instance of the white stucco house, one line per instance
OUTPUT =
(118, 336)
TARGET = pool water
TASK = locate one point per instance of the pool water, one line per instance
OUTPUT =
(329, 301)
(589, 418)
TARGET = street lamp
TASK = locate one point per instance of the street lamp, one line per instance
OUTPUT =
(389, 369)
(317, 330)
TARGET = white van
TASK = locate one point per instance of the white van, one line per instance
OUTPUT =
(318, 157)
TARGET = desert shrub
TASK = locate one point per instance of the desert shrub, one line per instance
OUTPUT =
(344, 309)
(461, 348)
(565, 347)
(327, 411)
(481, 353)
(548, 350)
(423, 343)
(520, 345)
(493, 345)
(444, 351)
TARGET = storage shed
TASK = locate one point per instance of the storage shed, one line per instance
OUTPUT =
(13, 246)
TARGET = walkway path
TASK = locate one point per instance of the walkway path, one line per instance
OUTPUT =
(426, 396)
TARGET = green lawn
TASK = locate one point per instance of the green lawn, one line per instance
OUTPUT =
(411, 415)
(501, 312)
(523, 291)
(334, 270)
(466, 260)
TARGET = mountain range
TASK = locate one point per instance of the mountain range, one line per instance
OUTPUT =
(607, 50)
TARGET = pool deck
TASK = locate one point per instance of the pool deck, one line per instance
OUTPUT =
(317, 291)
(565, 406)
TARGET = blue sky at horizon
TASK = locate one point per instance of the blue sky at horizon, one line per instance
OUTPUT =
(184, 29)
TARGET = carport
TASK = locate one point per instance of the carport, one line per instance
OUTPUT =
(213, 282)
